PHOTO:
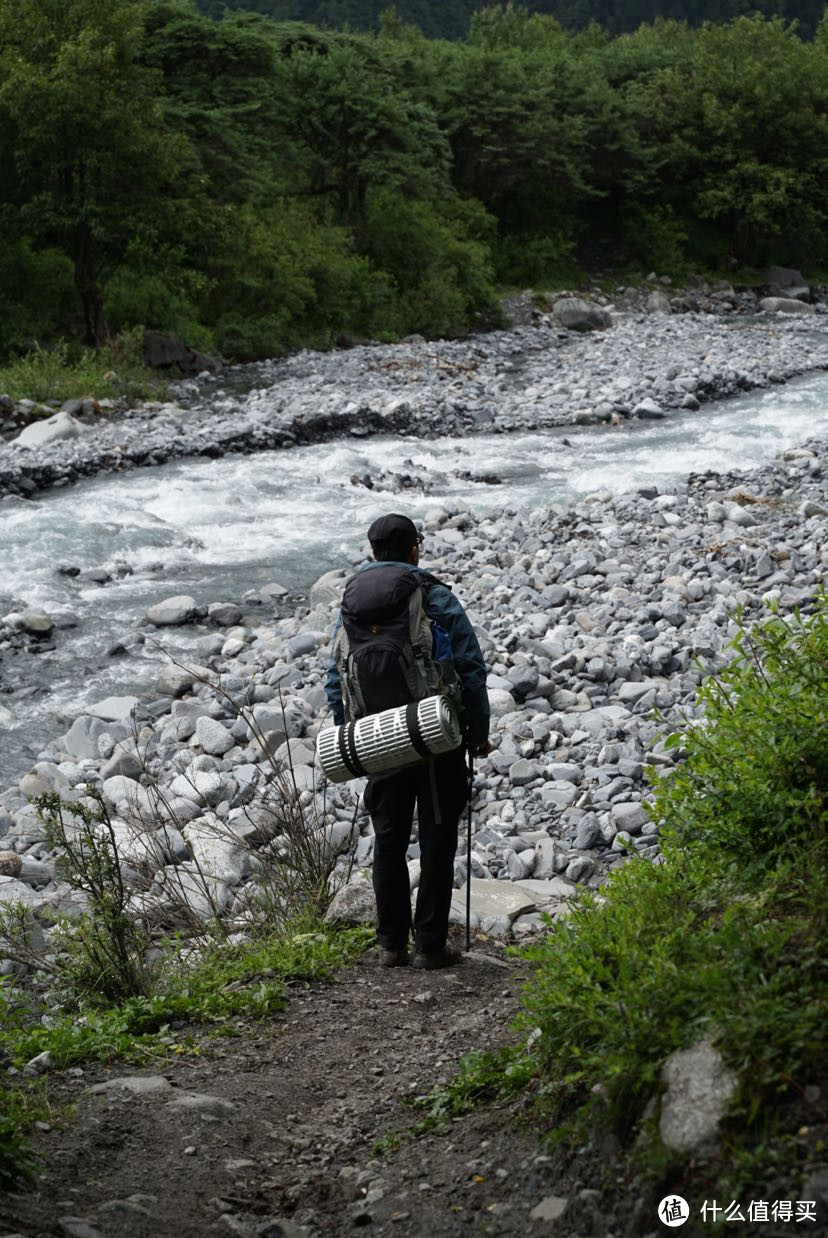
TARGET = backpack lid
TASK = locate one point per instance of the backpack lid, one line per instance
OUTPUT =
(379, 594)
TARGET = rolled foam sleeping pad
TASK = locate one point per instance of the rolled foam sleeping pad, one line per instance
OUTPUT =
(393, 739)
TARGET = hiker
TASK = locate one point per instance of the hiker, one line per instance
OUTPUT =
(382, 590)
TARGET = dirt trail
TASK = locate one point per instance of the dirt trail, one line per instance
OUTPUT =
(281, 1139)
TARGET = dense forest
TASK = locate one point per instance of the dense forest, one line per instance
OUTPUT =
(256, 185)
(449, 19)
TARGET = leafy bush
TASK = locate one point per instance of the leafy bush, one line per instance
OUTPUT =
(104, 951)
(64, 372)
(755, 782)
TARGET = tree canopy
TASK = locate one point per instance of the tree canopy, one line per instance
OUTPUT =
(259, 185)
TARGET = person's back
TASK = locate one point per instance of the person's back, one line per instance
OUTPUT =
(376, 603)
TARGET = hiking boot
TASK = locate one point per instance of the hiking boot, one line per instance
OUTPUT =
(393, 958)
(438, 958)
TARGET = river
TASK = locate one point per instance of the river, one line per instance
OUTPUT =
(216, 528)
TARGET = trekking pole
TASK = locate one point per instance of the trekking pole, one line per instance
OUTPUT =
(469, 854)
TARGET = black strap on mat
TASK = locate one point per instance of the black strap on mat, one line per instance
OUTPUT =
(348, 752)
(415, 734)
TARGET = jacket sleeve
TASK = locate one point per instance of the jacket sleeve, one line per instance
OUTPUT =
(333, 684)
(444, 607)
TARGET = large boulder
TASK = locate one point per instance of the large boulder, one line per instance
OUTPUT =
(215, 852)
(39, 433)
(785, 305)
(113, 708)
(175, 680)
(162, 352)
(81, 740)
(578, 315)
(785, 282)
(172, 611)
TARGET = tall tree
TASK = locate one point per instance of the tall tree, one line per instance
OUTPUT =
(82, 127)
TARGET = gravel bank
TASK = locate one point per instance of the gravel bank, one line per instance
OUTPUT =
(531, 377)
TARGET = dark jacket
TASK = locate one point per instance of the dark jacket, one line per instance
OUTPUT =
(444, 608)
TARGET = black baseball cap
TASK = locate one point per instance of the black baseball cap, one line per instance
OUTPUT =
(393, 530)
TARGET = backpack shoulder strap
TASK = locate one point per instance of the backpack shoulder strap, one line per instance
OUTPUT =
(428, 581)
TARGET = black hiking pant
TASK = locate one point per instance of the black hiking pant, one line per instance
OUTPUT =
(390, 800)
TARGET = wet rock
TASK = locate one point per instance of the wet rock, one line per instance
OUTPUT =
(114, 708)
(172, 612)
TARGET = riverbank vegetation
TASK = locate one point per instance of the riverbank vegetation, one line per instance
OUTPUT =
(256, 185)
(723, 941)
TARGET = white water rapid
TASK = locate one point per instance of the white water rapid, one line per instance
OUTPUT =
(216, 528)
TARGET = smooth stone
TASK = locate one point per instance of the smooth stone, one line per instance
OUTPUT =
(176, 680)
(213, 737)
(785, 305)
(172, 612)
(224, 614)
(629, 817)
(523, 772)
(50, 430)
(136, 1085)
(37, 623)
(113, 708)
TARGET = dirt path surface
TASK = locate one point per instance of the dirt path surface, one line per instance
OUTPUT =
(274, 1133)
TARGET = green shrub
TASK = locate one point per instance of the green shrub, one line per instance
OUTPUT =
(755, 781)
(66, 372)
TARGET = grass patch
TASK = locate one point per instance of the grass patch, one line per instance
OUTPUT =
(724, 939)
(67, 373)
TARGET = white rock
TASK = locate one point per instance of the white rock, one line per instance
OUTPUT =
(354, 903)
(39, 433)
(113, 708)
(699, 1087)
(172, 611)
(214, 851)
(213, 737)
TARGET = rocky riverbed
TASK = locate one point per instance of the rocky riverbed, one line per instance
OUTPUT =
(529, 378)
(591, 616)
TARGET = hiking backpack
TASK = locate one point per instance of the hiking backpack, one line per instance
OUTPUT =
(387, 650)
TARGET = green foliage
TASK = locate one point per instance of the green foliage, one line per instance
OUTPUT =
(67, 373)
(255, 185)
(442, 275)
(104, 951)
(755, 781)
(17, 1111)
